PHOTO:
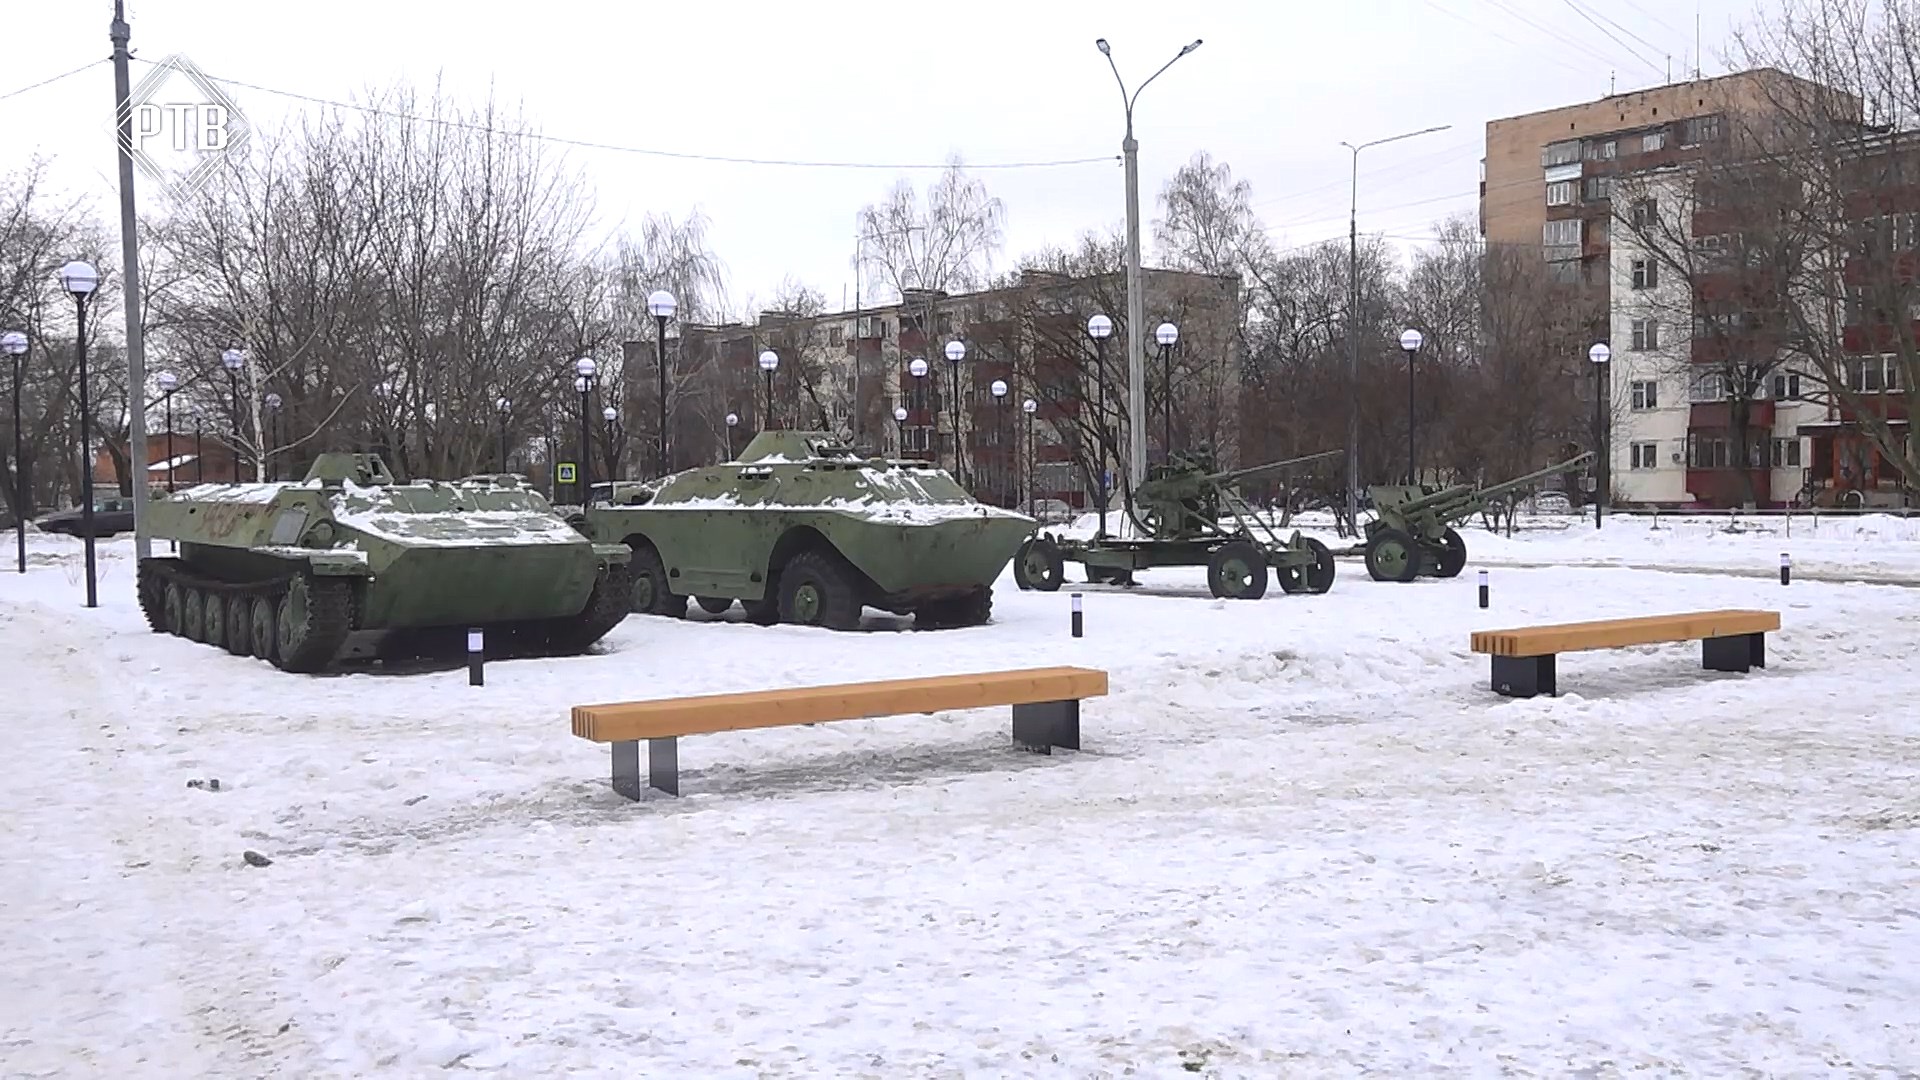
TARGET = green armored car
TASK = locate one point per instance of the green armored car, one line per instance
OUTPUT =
(349, 563)
(803, 530)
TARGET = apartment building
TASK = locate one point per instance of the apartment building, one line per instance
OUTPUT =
(849, 371)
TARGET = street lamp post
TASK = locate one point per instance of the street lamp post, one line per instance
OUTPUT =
(999, 391)
(168, 383)
(583, 370)
(80, 280)
(1599, 355)
(1136, 302)
(1100, 328)
(1166, 334)
(900, 428)
(272, 441)
(769, 363)
(917, 368)
(661, 306)
(1410, 342)
(233, 360)
(733, 421)
(1353, 321)
(505, 408)
(612, 416)
(14, 344)
(956, 352)
(1029, 406)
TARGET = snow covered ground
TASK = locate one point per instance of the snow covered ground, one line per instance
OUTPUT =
(1304, 839)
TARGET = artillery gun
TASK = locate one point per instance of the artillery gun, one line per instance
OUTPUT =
(1189, 513)
(802, 529)
(1412, 530)
(350, 563)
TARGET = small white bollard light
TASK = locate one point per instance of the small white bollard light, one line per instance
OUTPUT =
(476, 657)
(1786, 568)
(1483, 588)
(1078, 619)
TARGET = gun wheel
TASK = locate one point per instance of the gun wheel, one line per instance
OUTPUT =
(714, 605)
(1315, 578)
(1237, 570)
(1038, 565)
(1393, 556)
(1453, 555)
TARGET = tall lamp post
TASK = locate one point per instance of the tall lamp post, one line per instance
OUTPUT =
(233, 360)
(80, 280)
(168, 383)
(612, 416)
(504, 407)
(14, 344)
(583, 370)
(661, 306)
(1100, 328)
(999, 391)
(733, 421)
(273, 436)
(1166, 334)
(917, 367)
(1136, 302)
(900, 428)
(1599, 355)
(1353, 321)
(1029, 407)
(956, 352)
(769, 363)
(1410, 342)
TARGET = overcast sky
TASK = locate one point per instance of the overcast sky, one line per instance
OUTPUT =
(1276, 87)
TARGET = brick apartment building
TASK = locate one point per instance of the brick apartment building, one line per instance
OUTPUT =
(1549, 180)
(847, 372)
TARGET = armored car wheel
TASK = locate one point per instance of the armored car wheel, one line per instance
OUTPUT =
(1038, 565)
(819, 589)
(972, 609)
(648, 586)
(764, 611)
(239, 639)
(714, 605)
(1393, 556)
(1237, 570)
(1453, 555)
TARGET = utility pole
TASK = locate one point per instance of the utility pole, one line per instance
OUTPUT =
(1136, 302)
(121, 33)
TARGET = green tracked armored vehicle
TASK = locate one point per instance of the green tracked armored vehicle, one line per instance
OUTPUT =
(803, 530)
(350, 564)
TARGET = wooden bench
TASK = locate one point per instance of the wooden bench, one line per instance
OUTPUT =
(1046, 714)
(1523, 659)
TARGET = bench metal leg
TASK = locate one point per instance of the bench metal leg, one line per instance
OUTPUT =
(663, 767)
(1044, 725)
(1525, 676)
(1736, 652)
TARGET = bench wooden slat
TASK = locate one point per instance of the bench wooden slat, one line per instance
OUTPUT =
(711, 713)
(1616, 633)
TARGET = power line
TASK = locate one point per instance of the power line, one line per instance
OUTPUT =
(1603, 17)
(1572, 43)
(49, 82)
(1577, 10)
(1491, 32)
(647, 151)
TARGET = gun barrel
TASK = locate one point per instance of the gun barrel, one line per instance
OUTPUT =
(1568, 465)
(1236, 476)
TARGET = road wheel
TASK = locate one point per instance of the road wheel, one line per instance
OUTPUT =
(1237, 570)
(193, 624)
(818, 588)
(714, 605)
(313, 621)
(213, 620)
(1038, 565)
(649, 590)
(1393, 556)
(239, 639)
(264, 624)
(1453, 555)
(174, 606)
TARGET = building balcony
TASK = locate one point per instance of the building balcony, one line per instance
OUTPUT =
(1718, 415)
(1722, 488)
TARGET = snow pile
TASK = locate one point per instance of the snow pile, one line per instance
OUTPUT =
(389, 514)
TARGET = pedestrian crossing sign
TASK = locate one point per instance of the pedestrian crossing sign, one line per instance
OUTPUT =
(567, 472)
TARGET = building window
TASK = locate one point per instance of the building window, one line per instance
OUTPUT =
(1710, 252)
(1786, 386)
(1704, 452)
(1646, 335)
(1700, 129)
(1873, 374)
(1645, 213)
(1653, 140)
(914, 438)
(1646, 395)
(1598, 188)
(1560, 153)
(1708, 387)
(1646, 274)
(836, 336)
(1786, 453)
(1560, 193)
(1645, 455)
(1606, 150)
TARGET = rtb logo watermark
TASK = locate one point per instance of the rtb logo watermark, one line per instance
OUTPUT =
(181, 125)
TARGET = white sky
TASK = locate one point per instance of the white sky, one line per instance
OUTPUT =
(1275, 89)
